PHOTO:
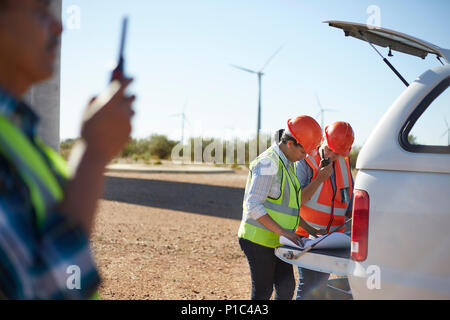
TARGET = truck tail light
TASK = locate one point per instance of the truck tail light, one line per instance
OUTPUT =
(360, 225)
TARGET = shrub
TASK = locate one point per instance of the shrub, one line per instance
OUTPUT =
(65, 147)
(157, 146)
(160, 146)
(205, 142)
(353, 157)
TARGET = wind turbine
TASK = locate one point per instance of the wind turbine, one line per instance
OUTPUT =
(447, 131)
(183, 119)
(322, 112)
(260, 74)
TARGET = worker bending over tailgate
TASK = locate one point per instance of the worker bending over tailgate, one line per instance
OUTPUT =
(271, 208)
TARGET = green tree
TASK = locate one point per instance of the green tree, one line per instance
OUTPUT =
(161, 146)
(353, 157)
(65, 147)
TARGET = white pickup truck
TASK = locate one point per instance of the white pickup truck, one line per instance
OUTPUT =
(400, 240)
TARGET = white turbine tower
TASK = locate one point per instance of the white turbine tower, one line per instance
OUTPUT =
(183, 120)
(322, 113)
(260, 74)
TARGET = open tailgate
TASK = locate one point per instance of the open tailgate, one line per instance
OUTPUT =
(334, 261)
(394, 40)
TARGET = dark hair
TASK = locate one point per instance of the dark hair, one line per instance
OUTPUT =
(285, 138)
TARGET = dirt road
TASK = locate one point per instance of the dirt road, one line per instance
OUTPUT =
(171, 236)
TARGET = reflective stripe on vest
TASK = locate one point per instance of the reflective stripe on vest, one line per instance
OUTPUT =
(45, 191)
(284, 210)
(323, 214)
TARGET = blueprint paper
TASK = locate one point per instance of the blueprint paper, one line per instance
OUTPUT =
(333, 241)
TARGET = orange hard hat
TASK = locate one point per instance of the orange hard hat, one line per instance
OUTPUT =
(340, 137)
(306, 131)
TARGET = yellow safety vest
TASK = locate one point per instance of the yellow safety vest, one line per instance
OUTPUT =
(284, 210)
(45, 189)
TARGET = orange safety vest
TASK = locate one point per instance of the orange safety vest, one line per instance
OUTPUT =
(325, 211)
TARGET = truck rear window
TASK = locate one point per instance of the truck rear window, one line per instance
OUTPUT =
(428, 128)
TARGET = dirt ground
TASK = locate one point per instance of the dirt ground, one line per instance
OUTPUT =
(166, 236)
(171, 237)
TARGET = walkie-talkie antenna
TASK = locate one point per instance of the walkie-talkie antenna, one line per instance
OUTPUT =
(123, 37)
(119, 70)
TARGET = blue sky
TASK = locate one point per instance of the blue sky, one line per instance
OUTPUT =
(181, 51)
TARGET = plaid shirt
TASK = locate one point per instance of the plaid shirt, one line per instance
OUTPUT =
(44, 263)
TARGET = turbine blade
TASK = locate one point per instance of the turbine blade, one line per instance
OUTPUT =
(243, 69)
(271, 58)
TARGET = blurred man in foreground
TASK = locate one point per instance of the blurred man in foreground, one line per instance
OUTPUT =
(271, 208)
(46, 210)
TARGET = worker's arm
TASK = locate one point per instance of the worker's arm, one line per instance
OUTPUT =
(270, 224)
(265, 184)
(105, 131)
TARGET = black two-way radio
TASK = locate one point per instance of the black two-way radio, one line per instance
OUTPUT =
(325, 161)
(118, 72)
